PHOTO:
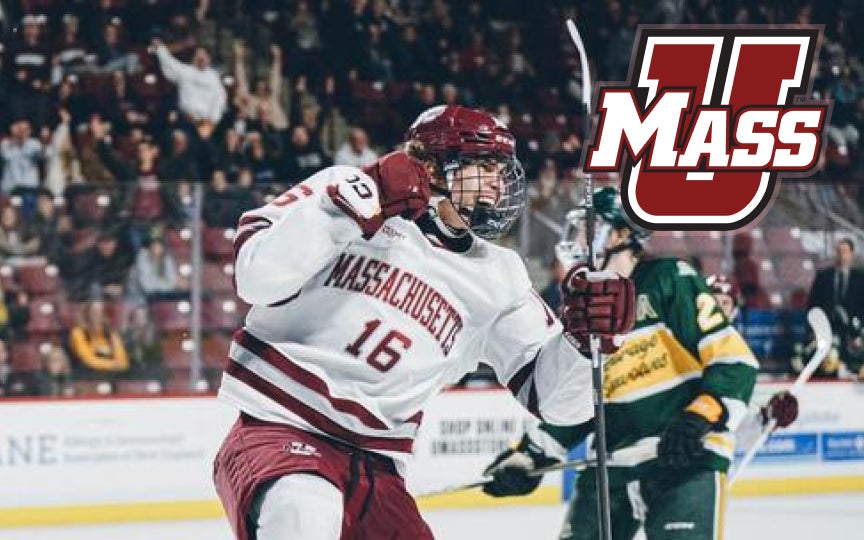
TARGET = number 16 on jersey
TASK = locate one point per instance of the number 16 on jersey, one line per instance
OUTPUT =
(384, 355)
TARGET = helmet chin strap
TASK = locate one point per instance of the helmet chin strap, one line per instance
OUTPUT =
(435, 214)
(604, 232)
(431, 224)
(440, 190)
(609, 252)
(626, 267)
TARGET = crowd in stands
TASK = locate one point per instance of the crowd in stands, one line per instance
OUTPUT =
(111, 111)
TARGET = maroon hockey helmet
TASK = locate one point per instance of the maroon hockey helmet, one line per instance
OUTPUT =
(722, 285)
(448, 129)
(453, 137)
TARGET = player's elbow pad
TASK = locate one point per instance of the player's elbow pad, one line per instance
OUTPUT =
(258, 292)
(248, 293)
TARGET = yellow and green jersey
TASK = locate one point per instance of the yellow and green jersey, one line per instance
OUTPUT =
(682, 346)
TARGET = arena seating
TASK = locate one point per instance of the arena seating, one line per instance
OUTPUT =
(329, 92)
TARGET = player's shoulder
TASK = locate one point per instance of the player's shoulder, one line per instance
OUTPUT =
(335, 174)
(653, 265)
(315, 184)
(503, 263)
(495, 252)
(656, 270)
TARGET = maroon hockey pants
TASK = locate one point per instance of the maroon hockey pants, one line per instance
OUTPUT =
(376, 503)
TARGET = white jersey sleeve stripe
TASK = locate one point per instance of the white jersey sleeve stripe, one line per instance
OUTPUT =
(307, 379)
(314, 417)
(248, 226)
(306, 234)
(316, 401)
(521, 385)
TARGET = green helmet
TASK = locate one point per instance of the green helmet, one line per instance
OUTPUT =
(607, 205)
(609, 214)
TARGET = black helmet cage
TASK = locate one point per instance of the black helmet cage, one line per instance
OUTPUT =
(488, 221)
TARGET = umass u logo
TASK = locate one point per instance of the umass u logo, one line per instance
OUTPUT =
(707, 120)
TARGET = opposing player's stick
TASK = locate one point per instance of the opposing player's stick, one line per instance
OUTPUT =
(626, 457)
(822, 330)
(596, 360)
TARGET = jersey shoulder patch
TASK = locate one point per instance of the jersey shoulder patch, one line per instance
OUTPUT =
(685, 269)
(664, 278)
(644, 310)
(504, 271)
(652, 271)
(357, 188)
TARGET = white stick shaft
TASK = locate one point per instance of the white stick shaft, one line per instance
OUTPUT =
(626, 457)
(822, 332)
(583, 59)
(596, 368)
(748, 457)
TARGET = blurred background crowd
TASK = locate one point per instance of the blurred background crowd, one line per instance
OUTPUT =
(135, 133)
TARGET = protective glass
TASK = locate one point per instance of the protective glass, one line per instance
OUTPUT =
(572, 249)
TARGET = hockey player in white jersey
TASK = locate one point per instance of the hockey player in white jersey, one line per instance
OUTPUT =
(371, 290)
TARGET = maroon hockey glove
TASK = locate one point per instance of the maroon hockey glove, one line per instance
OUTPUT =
(403, 185)
(403, 190)
(597, 303)
(782, 408)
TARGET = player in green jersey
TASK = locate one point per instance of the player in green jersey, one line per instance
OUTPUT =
(680, 381)
(782, 408)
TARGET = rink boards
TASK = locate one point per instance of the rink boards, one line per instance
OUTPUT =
(80, 461)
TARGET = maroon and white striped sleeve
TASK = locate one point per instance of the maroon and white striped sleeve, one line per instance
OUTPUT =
(541, 368)
(280, 246)
(259, 374)
(248, 226)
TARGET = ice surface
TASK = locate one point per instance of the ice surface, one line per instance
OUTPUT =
(789, 518)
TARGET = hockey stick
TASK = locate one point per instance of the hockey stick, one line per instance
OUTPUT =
(626, 457)
(596, 360)
(822, 330)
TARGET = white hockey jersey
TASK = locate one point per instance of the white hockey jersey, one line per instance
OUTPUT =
(350, 338)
